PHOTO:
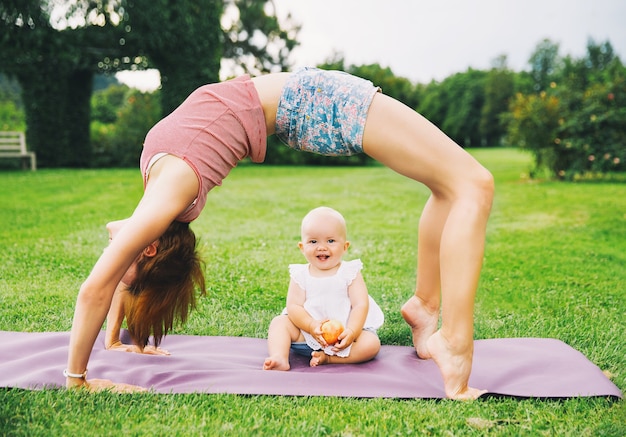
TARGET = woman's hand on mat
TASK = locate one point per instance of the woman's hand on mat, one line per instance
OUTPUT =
(151, 350)
(148, 350)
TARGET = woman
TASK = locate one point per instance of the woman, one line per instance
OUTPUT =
(333, 113)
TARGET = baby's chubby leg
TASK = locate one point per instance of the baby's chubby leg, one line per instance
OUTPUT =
(282, 332)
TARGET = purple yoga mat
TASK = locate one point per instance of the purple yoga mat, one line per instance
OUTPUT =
(518, 367)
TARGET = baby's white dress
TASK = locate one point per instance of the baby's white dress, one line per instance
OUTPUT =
(327, 298)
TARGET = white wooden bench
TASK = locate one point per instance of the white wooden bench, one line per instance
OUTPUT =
(13, 145)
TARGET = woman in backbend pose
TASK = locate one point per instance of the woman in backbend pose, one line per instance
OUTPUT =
(333, 113)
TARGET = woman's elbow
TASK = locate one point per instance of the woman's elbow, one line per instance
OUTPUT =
(92, 295)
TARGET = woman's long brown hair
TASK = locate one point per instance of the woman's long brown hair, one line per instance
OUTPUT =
(164, 290)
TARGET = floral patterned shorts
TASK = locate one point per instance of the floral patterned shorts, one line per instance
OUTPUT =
(324, 112)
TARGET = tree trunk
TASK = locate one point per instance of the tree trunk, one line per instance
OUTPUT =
(78, 118)
(44, 96)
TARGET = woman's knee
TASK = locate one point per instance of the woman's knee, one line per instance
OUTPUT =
(474, 189)
(486, 187)
(483, 185)
(474, 184)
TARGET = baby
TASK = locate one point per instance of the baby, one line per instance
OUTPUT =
(323, 289)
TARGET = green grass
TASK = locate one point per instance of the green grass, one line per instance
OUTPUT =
(554, 267)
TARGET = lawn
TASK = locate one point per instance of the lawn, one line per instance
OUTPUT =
(554, 267)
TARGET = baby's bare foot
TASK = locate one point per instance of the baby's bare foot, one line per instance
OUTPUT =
(318, 358)
(455, 368)
(423, 324)
(276, 363)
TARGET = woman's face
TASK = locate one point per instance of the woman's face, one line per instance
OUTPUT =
(113, 228)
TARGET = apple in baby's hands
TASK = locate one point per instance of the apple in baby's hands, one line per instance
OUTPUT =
(331, 330)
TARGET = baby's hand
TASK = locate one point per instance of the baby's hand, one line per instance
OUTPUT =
(315, 329)
(345, 339)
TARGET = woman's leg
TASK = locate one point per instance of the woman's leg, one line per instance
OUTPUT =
(421, 311)
(452, 233)
(282, 332)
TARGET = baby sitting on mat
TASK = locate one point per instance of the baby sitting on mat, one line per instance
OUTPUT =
(326, 289)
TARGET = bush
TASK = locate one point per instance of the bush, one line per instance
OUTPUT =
(575, 126)
(119, 143)
(533, 124)
(105, 104)
(592, 139)
(11, 117)
(573, 134)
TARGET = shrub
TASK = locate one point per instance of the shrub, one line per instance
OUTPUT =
(573, 134)
(11, 117)
(533, 124)
(105, 104)
(119, 143)
(591, 135)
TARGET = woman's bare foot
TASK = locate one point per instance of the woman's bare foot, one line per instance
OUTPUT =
(318, 358)
(423, 324)
(276, 363)
(455, 368)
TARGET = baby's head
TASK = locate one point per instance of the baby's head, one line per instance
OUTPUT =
(323, 238)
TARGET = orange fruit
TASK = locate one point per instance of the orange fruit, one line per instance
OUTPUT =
(331, 330)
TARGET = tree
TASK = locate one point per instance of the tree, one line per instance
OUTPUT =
(455, 106)
(116, 142)
(254, 40)
(575, 127)
(54, 64)
(544, 63)
(182, 40)
(434, 103)
(499, 89)
(399, 88)
(533, 125)
(55, 61)
(11, 106)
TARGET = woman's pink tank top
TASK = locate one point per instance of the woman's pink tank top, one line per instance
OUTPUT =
(217, 126)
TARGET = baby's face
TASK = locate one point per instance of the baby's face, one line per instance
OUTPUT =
(324, 242)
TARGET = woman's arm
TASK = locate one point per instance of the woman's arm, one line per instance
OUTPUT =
(115, 317)
(172, 187)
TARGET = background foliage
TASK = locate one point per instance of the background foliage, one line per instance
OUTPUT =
(570, 114)
(575, 122)
(55, 49)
